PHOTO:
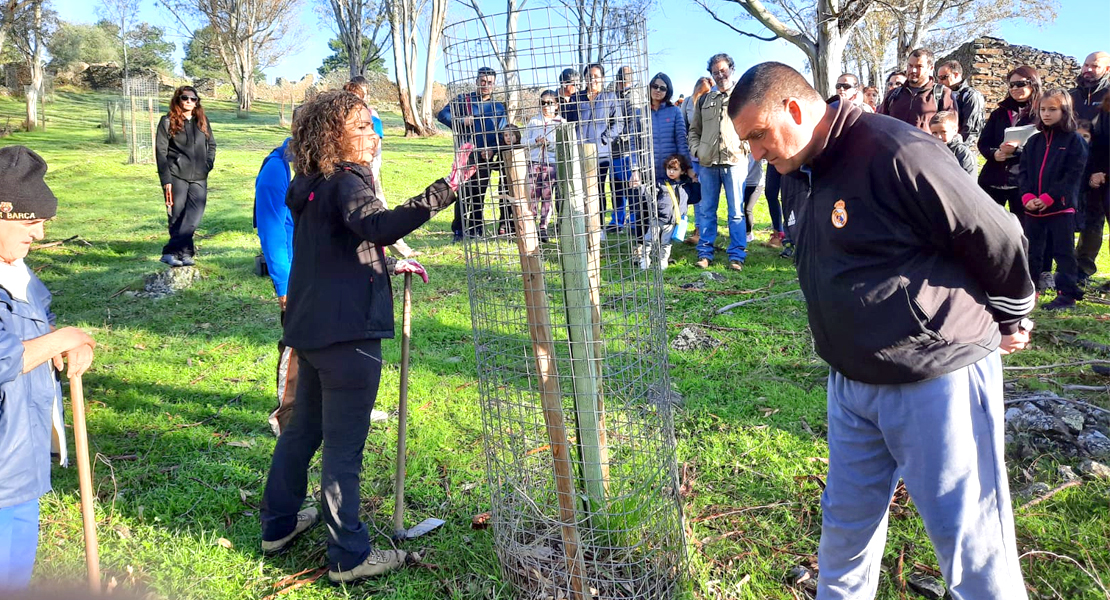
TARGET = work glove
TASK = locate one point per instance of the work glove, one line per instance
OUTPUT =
(409, 265)
(461, 168)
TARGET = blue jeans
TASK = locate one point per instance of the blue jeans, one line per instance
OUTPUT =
(731, 177)
(19, 542)
(622, 189)
(944, 438)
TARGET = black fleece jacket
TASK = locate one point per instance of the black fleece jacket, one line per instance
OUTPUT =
(909, 269)
(1008, 114)
(339, 288)
(187, 154)
(1053, 163)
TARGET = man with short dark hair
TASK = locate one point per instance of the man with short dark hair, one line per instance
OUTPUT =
(1092, 84)
(477, 118)
(921, 96)
(848, 89)
(969, 101)
(913, 289)
(895, 79)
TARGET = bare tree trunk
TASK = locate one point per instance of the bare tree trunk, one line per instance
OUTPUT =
(36, 67)
(398, 16)
(435, 33)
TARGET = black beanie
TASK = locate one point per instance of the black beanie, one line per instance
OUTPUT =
(25, 196)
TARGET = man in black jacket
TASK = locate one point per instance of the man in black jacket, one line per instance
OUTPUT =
(1092, 84)
(915, 284)
(969, 101)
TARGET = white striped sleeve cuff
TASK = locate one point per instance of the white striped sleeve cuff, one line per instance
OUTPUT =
(1014, 306)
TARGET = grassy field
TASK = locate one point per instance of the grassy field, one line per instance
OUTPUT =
(181, 387)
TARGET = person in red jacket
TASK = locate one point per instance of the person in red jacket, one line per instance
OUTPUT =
(1052, 166)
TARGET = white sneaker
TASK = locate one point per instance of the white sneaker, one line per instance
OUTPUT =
(377, 416)
(751, 237)
(665, 257)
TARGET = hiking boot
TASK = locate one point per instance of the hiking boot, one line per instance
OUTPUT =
(1047, 281)
(188, 260)
(172, 260)
(775, 240)
(787, 251)
(692, 240)
(736, 265)
(702, 263)
(1060, 303)
(378, 562)
(305, 520)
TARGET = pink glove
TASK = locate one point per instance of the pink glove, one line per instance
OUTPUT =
(461, 169)
(409, 265)
(1048, 201)
(1026, 198)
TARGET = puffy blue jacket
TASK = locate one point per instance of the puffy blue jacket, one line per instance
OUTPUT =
(489, 118)
(30, 403)
(272, 216)
(599, 121)
(668, 135)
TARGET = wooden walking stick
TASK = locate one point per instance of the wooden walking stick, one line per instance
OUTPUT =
(84, 474)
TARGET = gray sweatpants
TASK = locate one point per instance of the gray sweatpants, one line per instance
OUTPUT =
(944, 438)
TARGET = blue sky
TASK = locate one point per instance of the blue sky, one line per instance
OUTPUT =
(682, 37)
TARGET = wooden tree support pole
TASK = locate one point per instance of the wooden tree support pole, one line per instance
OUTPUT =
(84, 475)
(578, 225)
(543, 347)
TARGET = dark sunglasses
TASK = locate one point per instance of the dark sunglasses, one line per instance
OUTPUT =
(661, 88)
(547, 103)
(844, 86)
(184, 98)
(1020, 84)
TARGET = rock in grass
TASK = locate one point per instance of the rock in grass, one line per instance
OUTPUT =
(169, 281)
(926, 586)
(711, 276)
(1096, 444)
(1094, 469)
(694, 338)
(1066, 473)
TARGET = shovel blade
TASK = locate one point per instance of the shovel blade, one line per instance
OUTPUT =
(423, 527)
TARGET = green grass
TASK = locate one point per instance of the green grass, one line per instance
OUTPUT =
(181, 387)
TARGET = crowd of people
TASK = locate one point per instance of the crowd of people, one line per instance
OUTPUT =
(866, 235)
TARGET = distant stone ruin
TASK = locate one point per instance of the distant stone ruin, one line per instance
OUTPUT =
(986, 61)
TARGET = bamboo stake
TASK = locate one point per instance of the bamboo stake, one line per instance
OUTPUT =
(153, 129)
(543, 347)
(84, 475)
(593, 261)
(133, 156)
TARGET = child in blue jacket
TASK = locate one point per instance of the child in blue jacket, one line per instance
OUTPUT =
(1052, 165)
(675, 192)
(31, 354)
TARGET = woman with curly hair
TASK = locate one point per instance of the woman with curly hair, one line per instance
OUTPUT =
(185, 152)
(339, 308)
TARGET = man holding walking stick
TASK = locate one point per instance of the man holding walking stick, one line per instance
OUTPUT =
(32, 352)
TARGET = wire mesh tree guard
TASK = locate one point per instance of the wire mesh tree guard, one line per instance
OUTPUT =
(569, 328)
(138, 113)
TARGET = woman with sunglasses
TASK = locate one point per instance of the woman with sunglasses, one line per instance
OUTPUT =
(999, 175)
(185, 152)
(668, 126)
(539, 137)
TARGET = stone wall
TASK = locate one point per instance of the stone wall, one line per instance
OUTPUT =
(986, 61)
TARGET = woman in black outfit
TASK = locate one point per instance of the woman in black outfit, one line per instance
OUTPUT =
(999, 176)
(185, 152)
(339, 308)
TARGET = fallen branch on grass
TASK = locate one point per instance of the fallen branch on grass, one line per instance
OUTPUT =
(1080, 363)
(291, 583)
(1095, 578)
(1051, 493)
(75, 238)
(725, 309)
(1057, 399)
(209, 419)
(737, 511)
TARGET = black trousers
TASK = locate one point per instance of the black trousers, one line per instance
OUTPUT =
(336, 388)
(1090, 235)
(1057, 234)
(470, 209)
(189, 199)
(749, 205)
(1011, 198)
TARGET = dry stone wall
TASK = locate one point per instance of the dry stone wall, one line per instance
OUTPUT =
(986, 61)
